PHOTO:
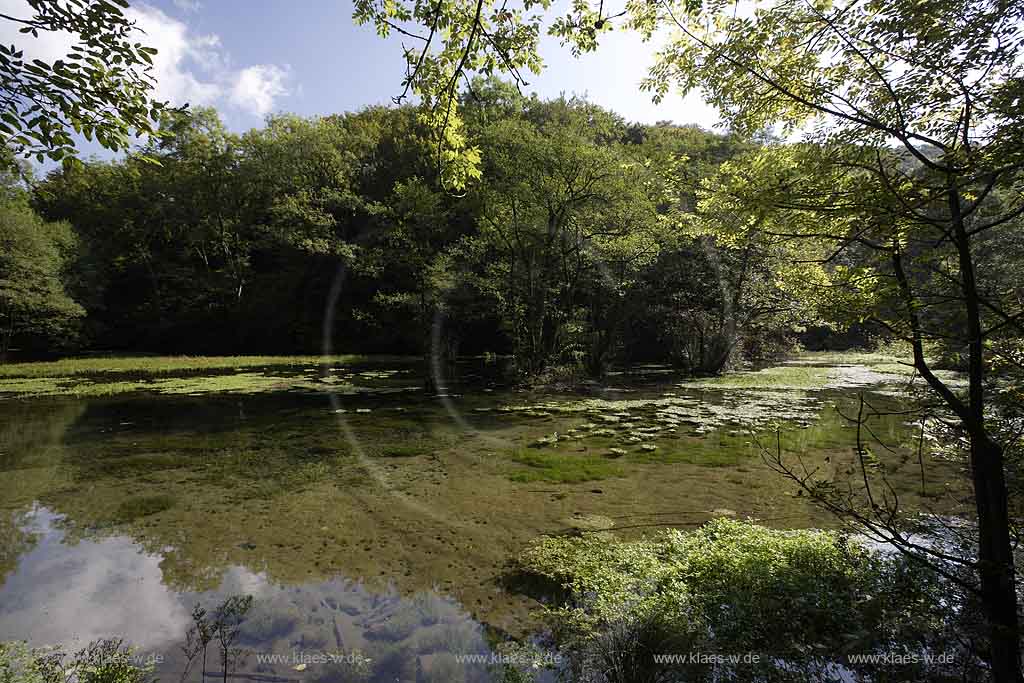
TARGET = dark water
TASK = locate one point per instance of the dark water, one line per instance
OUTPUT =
(374, 541)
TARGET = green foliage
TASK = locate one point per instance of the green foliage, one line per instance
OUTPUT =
(571, 220)
(567, 252)
(101, 89)
(33, 255)
(102, 661)
(801, 600)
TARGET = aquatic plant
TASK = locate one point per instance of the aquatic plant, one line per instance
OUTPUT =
(564, 469)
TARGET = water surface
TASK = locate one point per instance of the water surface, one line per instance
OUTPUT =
(378, 523)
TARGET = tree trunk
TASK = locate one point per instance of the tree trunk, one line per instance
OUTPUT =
(429, 381)
(995, 552)
(995, 559)
(6, 335)
(430, 363)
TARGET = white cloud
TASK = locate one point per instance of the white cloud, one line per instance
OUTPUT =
(189, 67)
(611, 77)
(47, 47)
(76, 593)
(178, 52)
(257, 87)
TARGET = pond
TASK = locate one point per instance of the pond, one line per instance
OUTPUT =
(374, 525)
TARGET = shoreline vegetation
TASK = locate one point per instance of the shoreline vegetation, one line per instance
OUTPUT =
(155, 366)
(88, 377)
(105, 376)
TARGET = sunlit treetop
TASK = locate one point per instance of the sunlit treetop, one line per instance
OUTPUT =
(941, 77)
(102, 89)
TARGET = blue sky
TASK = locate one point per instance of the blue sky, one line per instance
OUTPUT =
(333, 65)
(250, 58)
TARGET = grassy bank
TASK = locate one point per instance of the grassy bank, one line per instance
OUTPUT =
(173, 374)
(155, 366)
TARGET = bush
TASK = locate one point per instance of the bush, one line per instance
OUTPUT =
(102, 661)
(737, 601)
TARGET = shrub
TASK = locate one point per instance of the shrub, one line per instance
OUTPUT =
(736, 601)
(102, 661)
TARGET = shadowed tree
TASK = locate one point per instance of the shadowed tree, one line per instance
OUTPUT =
(33, 255)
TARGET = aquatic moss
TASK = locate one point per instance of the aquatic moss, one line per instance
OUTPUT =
(132, 465)
(563, 469)
(143, 506)
(84, 377)
(780, 377)
(248, 383)
(409, 450)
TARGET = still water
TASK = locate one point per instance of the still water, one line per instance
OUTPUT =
(374, 527)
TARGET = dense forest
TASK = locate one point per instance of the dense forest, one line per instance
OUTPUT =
(571, 251)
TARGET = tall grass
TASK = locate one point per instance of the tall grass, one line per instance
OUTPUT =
(150, 366)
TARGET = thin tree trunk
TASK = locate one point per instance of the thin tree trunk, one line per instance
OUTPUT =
(7, 336)
(995, 557)
(426, 330)
(995, 552)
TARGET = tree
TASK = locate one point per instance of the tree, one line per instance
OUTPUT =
(718, 302)
(857, 252)
(165, 245)
(203, 201)
(938, 81)
(33, 253)
(420, 225)
(567, 217)
(101, 89)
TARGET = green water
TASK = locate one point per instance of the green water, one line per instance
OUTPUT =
(378, 521)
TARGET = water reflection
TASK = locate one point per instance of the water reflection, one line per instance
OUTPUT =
(71, 593)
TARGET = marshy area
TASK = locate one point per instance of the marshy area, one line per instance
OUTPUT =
(365, 516)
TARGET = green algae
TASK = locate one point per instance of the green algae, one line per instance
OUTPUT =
(142, 506)
(244, 382)
(781, 377)
(561, 468)
(98, 377)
